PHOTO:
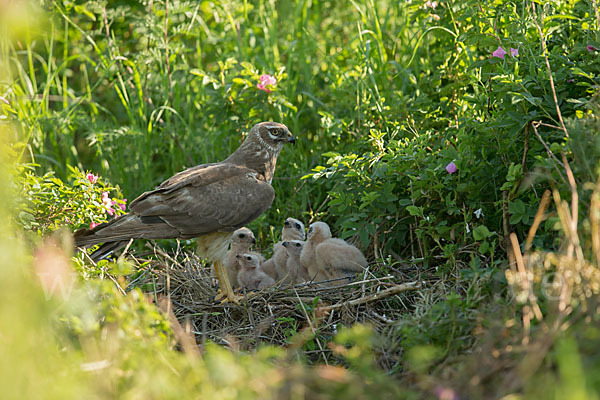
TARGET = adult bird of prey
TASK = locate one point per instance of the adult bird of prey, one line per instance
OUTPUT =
(208, 201)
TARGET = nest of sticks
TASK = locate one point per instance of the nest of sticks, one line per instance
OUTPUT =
(282, 315)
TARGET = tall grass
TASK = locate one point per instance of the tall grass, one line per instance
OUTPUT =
(382, 96)
(137, 92)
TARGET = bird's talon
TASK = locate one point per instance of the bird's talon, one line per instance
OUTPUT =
(222, 297)
(219, 296)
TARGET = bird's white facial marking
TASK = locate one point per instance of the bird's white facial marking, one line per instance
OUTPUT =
(274, 150)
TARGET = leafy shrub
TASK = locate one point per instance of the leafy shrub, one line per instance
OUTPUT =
(48, 204)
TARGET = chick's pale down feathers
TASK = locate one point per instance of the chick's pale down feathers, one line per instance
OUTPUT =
(275, 267)
(241, 242)
(330, 258)
(339, 258)
(250, 275)
(318, 232)
(296, 271)
(293, 229)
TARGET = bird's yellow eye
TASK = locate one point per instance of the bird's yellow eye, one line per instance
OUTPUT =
(275, 131)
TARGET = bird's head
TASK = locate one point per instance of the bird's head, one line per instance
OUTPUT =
(261, 148)
(243, 236)
(293, 230)
(319, 231)
(293, 246)
(272, 135)
(248, 261)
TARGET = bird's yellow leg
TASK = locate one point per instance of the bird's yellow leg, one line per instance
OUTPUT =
(224, 284)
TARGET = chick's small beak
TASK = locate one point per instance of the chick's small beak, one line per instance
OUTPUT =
(290, 138)
(253, 240)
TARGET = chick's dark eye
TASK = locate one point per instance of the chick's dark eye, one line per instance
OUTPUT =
(242, 235)
(297, 226)
(298, 244)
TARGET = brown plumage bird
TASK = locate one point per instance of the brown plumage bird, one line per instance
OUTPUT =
(275, 267)
(241, 241)
(251, 275)
(296, 270)
(329, 258)
(208, 201)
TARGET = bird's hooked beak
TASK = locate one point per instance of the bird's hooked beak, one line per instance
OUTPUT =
(290, 138)
(285, 244)
(253, 240)
(239, 256)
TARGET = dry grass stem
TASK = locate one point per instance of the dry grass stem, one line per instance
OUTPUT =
(539, 217)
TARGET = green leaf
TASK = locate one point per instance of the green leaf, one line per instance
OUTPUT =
(481, 232)
(83, 10)
(414, 210)
(517, 207)
(515, 218)
(364, 236)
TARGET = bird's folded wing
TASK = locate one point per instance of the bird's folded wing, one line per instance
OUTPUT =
(208, 198)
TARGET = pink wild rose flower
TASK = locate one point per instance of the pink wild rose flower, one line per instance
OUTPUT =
(514, 52)
(123, 205)
(451, 168)
(91, 177)
(93, 225)
(499, 52)
(108, 203)
(266, 80)
(591, 48)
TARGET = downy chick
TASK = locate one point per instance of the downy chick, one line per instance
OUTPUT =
(241, 241)
(318, 232)
(330, 258)
(297, 272)
(275, 267)
(250, 275)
